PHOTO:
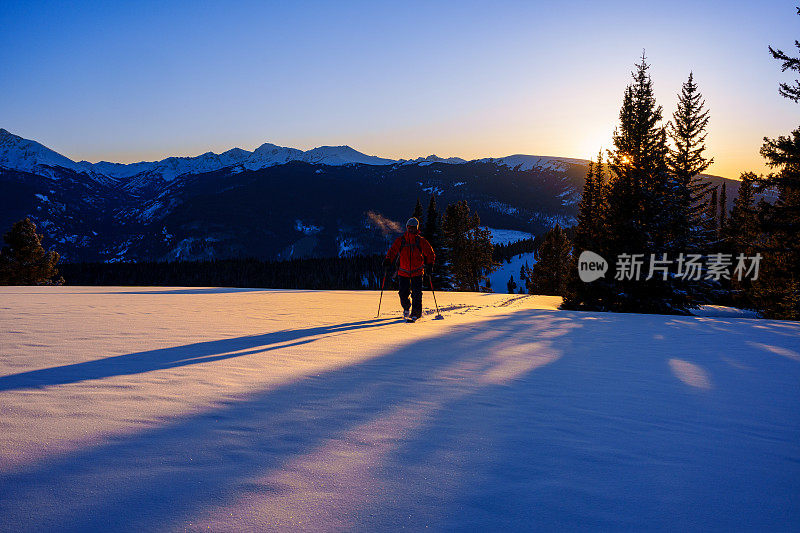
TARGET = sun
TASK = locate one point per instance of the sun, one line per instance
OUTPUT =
(626, 160)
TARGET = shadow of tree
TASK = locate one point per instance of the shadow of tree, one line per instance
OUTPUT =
(164, 475)
(189, 354)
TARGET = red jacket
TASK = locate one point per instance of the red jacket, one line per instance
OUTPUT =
(414, 251)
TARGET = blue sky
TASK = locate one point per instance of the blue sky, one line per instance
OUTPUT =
(127, 81)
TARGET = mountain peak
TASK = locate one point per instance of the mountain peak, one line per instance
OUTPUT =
(267, 146)
(30, 156)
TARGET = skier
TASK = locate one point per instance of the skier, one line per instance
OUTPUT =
(413, 255)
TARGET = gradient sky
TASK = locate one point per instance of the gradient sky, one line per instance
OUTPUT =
(131, 81)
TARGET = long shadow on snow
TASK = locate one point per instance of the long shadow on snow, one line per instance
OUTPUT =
(189, 354)
(164, 475)
(618, 441)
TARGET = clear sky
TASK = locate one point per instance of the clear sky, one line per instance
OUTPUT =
(130, 81)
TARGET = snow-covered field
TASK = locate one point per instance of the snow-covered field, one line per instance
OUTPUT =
(143, 409)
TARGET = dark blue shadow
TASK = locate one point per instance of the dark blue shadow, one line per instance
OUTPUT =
(190, 354)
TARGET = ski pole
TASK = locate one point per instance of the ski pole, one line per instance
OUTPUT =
(438, 314)
(381, 298)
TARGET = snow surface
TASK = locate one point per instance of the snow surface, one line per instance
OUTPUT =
(528, 162)
(721, 311)
(166, 409)
(506, 236)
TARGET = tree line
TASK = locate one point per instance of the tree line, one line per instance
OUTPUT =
(464, 260)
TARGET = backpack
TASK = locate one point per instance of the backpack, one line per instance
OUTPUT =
(417, 244)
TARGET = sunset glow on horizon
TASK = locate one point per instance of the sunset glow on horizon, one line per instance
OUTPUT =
(469, 80)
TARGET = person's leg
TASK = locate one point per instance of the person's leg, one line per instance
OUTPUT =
(416, 296)
(405, 290)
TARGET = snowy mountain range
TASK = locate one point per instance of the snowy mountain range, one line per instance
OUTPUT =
(17, 153)
(264, 203)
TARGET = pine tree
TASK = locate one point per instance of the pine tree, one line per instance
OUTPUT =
(553, 258)
(432, 233)
(741, 234)
(525, 277)
(588, 236)
(741, 228)
(686, 162)
(639, 166)
(468, 247)
(792, 92)
(24, 261)
(777, 290)
(640, 194)
(480, 256)
(712, 218)
(511, 285)
(600, 191)
(587, 212)
(723, 207)
(418, 215)
(431, 229)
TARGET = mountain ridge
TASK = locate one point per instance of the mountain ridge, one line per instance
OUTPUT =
(37, 157)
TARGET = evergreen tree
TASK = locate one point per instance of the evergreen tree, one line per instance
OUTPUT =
(587, 212)
(432, 232)
(418, 215)
(24, 261)
(686, 162)
(588, 236)
(786, 90)
(723, 207)
(742, 227)
(638, 163)
(591, 210)
(431, 228)
(511, 286)
(600, 191)
(777, 290)
(712, 219)
(551, 271)
(741, 235)
(525, 277)
(636, 216)
(468, 247)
